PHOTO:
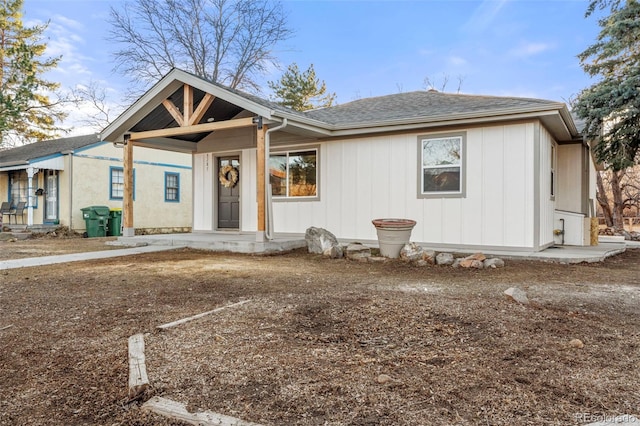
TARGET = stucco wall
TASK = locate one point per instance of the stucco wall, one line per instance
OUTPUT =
(91, 180)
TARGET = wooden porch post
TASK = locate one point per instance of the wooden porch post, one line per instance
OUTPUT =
(127, 199)
(260, 235)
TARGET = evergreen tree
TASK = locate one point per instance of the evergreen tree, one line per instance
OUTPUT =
(611, 106)
(301, 91)
(26, 111)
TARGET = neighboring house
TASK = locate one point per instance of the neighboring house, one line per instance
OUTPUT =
(475, 172)
(57, 178)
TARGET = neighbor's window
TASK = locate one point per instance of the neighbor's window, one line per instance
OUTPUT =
(172, 187)
(19, 185)
(441, 165)
(294, 173)
(116, 183)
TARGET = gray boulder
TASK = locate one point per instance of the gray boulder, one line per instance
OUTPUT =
(517, 295)
(318, 240)
(444, 259)
(411, 252)
(494, 263)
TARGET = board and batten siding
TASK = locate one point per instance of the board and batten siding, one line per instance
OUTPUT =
(377, 177)
(547, 202)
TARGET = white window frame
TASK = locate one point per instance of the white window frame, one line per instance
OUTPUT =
(293, 151)
(461, 192)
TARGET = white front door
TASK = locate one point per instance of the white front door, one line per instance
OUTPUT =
(51, 196)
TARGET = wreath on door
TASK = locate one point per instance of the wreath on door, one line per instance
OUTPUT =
(228, 176)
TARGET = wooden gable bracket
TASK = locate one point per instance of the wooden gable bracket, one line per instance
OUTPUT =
(189, 117)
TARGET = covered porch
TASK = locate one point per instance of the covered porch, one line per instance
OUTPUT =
(220, 241)
(228, 137)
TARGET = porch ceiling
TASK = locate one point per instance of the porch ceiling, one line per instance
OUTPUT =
(161, 118)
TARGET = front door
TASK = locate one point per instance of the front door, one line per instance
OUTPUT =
(229, 192)
(51, 196)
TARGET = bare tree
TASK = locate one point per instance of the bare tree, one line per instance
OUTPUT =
(618, 195)
(93, 100)
(430, 84)
(226, 41)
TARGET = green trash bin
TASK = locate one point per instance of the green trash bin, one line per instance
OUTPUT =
(96, 219)
(115, 220)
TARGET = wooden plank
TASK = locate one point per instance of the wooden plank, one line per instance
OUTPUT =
(194, 317)
(204, 104)
(127, 199)
(188, 104)
(6, 327)
(175, 410)
(174, 111)
(198, 128)
(138, 380)
(260, 166)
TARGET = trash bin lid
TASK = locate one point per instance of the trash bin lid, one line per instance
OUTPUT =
(101, 210)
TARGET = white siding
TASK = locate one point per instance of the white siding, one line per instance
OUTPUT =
(547, 202)
(203, 168)
(570, 173)
(368, 178)
(248, 191)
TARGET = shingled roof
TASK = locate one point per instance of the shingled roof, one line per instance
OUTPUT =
(46, 148)
(423, 105)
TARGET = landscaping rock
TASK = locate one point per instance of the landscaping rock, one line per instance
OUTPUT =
(471, 263)
(477, 256)
(319, 239)
(517, 295)
(576, 344)
(377, 259)
(411, 252)
(334, 252)
(421, 263)
(429, 256)
(494, 263)
(456, 262)
(357, 251)
(444, 259)
(383, 378)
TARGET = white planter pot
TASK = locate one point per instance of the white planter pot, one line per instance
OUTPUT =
(393, 234)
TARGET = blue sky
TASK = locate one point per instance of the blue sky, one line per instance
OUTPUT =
(369, 48)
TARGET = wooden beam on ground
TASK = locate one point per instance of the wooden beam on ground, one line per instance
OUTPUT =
(174, 111)
(203, 106)
(197, 128)
(6, 327)
(261, 177)
(138, 380)
(194, 317)
(188, 104)
(175, 410)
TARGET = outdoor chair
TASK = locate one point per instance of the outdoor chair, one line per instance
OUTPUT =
(18, 211)
(5, 210)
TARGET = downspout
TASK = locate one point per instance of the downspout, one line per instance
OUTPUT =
(268, 232)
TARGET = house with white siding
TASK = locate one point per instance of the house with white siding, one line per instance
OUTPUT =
(55, 179)
(474, 172)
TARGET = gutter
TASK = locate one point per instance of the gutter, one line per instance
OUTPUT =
(14, 163)
(268, 231)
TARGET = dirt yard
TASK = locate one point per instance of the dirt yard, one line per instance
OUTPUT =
(319, 342)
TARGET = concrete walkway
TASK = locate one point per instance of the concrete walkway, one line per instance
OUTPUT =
(78, 257)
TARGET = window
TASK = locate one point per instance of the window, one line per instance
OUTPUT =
(294, 173)
(18, 187)
(116, 183)
(172, 187)
(442, 165)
